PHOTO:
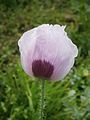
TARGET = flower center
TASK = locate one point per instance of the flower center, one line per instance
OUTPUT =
(42, 69)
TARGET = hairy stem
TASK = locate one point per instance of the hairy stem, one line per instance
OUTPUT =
(42, 98)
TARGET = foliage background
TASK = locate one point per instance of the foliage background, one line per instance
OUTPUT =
(20, 95)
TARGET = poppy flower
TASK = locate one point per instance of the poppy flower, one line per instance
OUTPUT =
(47, 52)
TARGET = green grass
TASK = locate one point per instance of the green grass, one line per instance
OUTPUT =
(68, 99)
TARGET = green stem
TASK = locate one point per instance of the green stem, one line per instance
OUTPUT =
(42, 98)
(29, 95)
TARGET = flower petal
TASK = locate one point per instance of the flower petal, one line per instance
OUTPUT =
(62, 69)
(26, 46)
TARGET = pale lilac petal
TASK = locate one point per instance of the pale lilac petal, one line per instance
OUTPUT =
(26, 47)
(62, 69)
(52, 43)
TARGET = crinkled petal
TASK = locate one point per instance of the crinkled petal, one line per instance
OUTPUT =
(26, 46)
(62, 69)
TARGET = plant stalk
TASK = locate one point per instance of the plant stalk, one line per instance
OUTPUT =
(42, 98)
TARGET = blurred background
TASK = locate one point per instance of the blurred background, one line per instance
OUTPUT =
(19, 94)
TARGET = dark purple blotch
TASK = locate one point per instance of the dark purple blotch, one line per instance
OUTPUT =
(42, 69)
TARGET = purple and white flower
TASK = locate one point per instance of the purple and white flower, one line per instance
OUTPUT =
(47, 52)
